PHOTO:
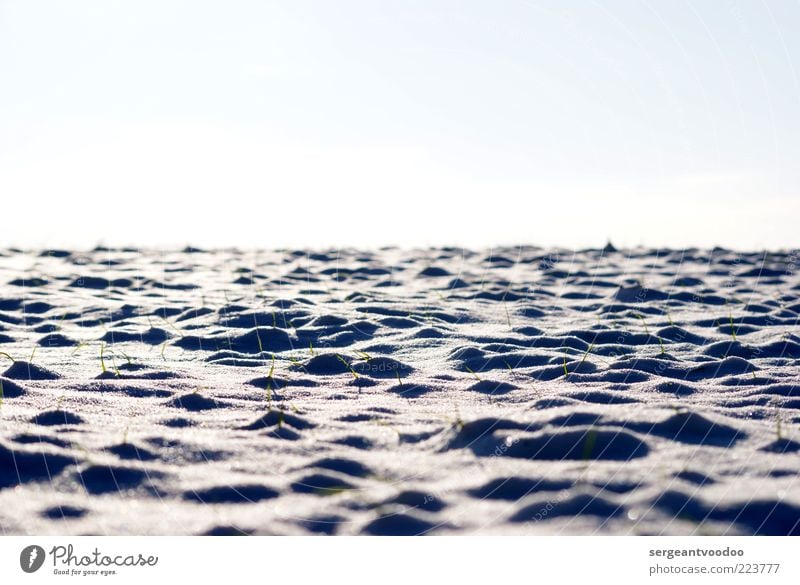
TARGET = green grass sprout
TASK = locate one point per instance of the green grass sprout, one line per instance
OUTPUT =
(102, 360)
(349, 367)
(471, 371)
(588, 445)
(644, 324)
(586, 354)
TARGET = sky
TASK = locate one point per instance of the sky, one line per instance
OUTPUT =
(355, 123)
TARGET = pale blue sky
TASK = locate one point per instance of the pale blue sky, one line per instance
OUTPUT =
(368, 123)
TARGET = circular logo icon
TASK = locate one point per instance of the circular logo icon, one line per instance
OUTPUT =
(31, 558)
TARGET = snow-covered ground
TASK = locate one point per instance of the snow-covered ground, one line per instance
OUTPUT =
(515, 390)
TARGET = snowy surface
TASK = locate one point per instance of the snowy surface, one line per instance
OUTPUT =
(505, 391)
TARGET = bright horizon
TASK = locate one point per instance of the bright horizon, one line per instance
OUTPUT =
(277, 124)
